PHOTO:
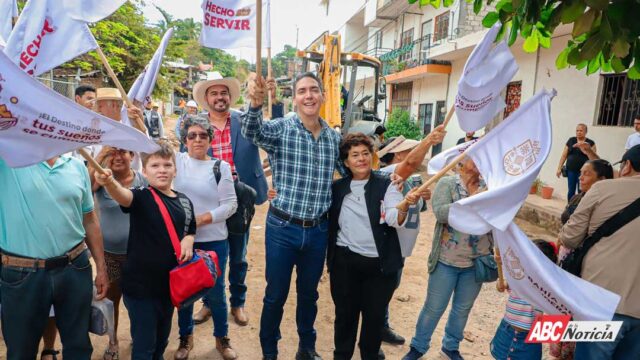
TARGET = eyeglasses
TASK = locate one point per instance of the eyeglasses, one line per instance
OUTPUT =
(201, 135)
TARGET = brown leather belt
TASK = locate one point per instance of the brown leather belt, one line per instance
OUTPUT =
(49, 264)
(304, 223)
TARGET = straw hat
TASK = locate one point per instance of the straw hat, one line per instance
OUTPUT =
(214, 78)
(108, 94)
(399, 144)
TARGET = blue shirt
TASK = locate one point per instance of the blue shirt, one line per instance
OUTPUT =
(42, 207)
(302, 166)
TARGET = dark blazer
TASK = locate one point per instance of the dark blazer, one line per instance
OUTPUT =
(385, 236)
(247, 160)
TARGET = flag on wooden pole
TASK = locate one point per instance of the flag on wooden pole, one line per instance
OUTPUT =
(45, 36)
(231, 24)
(37, 123)
(532, 276)
(509, 158)
(487, 71)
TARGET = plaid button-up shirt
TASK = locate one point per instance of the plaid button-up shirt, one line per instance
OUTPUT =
(221, 144)
(302, 165)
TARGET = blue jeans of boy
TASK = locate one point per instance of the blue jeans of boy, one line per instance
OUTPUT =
(626, 345)
(508, 343)
(288, 245)
(150, 319)
(444, 282)
(238, 266)
(27, 295)
(216, 298)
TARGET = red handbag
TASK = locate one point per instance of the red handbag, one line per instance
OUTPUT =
(190, 280)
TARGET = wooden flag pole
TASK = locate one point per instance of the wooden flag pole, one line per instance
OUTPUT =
(449, 116)
(137, 123)
(500, 285)
(436, 177)
(92, 162)
(258, 38)
(269, 101)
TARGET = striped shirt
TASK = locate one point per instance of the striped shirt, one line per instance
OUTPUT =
(519, 312)
(302, 166)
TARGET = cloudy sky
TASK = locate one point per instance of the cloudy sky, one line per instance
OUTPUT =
(286, 15)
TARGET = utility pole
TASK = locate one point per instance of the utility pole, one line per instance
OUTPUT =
(297, 33)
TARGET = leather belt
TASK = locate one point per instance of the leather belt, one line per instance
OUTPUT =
(48, 264)
(294, 220)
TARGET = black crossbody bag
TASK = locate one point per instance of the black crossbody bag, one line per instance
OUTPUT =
(573, 262)
(240, 221)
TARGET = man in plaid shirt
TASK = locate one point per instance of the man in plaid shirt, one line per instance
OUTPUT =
(303, 151)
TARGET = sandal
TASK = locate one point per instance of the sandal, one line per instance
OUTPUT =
(111, 353)
(50, 352)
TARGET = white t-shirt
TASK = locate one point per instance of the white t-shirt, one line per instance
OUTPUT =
(195, 179)
(355, 226)
(408, 234)
(632, 140)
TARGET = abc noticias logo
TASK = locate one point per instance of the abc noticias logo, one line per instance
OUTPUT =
(560, 328)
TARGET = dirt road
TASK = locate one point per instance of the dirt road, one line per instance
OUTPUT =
(405, 307)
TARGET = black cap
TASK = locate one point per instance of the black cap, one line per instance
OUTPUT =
(632, 155)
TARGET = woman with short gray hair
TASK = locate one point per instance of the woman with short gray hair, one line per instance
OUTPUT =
(214, 200)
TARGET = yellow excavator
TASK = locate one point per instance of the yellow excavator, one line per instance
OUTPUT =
(340, 109)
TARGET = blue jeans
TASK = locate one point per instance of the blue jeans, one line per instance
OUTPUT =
(238, 266)
(288, 245)
(508, 343)
(150, 326)
(443, 282)
(27, 295)
(626, 345)
(216, 298)
(573, 181)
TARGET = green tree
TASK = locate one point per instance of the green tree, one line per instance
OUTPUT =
(401, 123)
(605, 36)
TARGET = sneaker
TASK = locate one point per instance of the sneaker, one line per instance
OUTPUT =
(391, 337)
(186, 345)
(307, 355)
(223, 345)
(451, 354)
(413, 354)
(201, 316)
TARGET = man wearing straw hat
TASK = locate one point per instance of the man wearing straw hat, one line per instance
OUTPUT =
(216, 95)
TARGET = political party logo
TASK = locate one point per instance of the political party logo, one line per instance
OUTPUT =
(522, 157)
(246, 11)
(513, 265)
(7, 120)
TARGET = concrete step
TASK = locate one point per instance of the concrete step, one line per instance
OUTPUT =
(542, 212)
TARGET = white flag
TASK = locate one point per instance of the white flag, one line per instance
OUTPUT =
(545, 285)
(143, 86)
(487, 71)
(45, 37)
(443, 159)
(509, 158)
(231, 24)
(2, 43)
(9, 10)
(37, 124)
(91, 10)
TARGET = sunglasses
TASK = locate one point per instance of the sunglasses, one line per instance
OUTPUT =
(201, 135)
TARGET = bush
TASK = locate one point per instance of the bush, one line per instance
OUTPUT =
(401, 123)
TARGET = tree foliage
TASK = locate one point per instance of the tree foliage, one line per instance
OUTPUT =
(401, 123)
(605, 36)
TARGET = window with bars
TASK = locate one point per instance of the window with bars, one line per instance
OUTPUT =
(619, 100)
(407, 38)
(441, 29)
(379, 39)
(427, 30)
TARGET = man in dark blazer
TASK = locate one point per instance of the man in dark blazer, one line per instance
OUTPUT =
(216, 95)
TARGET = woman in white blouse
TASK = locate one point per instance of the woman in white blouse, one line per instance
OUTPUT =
(364, 256)
(213, 203)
